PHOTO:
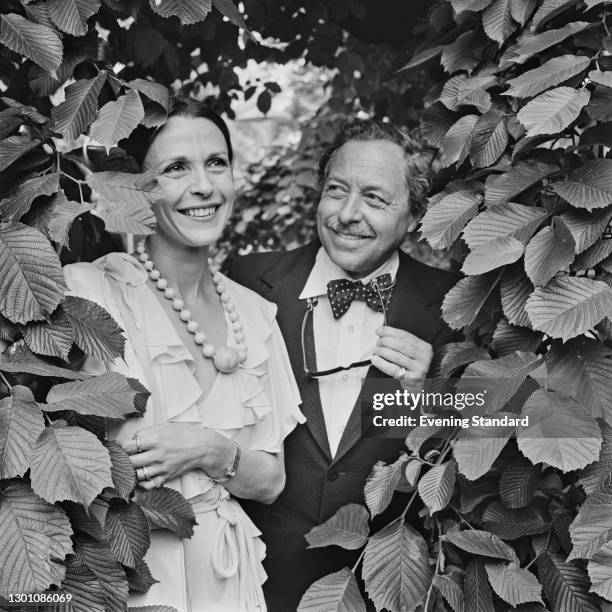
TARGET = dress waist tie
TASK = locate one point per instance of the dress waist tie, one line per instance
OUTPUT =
(233, 548)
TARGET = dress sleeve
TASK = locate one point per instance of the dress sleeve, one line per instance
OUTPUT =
(282, 391)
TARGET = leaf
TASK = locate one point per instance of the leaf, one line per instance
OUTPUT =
(549, 9)
(592, 527)
(86, 590)
(552, 111)
(589, 186)
(337, 592)
(534, 44)
(476, 590)
(481, 543)
(396, 568)
(127, 532)
(228, 9)
(264, 101)
(600, 573)
(188, 11)
(32, 40)
(548, 252)
(549, 74)
(435, 122)
(515, 290)
(107, 395)
(69, 463)
(72, 117)
(451, 590)
(154, 91)
(594, 255)
(502, 188)
(603, 78)
(498, 236)
(521, 10)
(489, 139)
(18, 358)
(30, 274)
(99, 559)
(71, 16)
(477, 447)
(518, 483)
(122, 187)
(463, 302)
(499, 379)
(514, 584)
(21, 422)
(126, 217)
(566, 585)
(436, 486)
(96, 332)
(464, 53)
(347, 528)
(443, 222)
(14, 147)
(381, 484)
(122, 470)
(64, 213)
(456, 142)
(582, 370)
(497, 21)
(457, 354)
(568, 306)
(117, 119)
(559, 433)
(167, 508)
(422, 57)
(420, 434)
(43, 84)
(586, 227)
(459, 6)
(15, 206)
(53, 338)
(139, 578)
(593, 477)
(510, 524)
(34, 539)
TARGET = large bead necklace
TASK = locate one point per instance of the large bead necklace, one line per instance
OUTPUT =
(225, 358)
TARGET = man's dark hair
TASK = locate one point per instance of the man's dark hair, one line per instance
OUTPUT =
(417, 162)
(141, 139)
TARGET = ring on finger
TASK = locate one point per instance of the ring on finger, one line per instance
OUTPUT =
(138, 447)
(145, 473)
(158, 482)
(400, 373)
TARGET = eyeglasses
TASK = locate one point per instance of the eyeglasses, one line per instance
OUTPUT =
(310, 304)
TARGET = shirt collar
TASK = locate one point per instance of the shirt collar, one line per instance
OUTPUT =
(325, 269)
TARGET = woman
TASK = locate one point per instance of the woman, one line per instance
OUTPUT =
(223, 396)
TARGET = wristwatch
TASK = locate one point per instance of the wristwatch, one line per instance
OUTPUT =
(232, 468)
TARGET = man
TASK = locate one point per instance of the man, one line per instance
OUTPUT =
(373, 182)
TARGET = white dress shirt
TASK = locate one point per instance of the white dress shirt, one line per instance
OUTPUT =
(340, 342)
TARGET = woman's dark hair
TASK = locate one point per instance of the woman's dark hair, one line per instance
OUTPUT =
(141, 139)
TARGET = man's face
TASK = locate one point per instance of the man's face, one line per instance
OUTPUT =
(364, 212)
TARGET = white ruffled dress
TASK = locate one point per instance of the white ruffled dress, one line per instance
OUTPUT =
(219, 569)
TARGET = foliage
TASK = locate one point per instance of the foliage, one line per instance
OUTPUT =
(516, 517)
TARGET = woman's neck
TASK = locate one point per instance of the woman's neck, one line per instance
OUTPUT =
(185, 268)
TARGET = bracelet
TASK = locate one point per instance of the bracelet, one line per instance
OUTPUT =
(232, 468)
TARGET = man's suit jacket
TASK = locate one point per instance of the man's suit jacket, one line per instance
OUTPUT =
(317, 483)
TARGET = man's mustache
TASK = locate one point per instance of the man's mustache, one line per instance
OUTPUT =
(350, 230)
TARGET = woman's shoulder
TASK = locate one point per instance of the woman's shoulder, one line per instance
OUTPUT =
(120, 267)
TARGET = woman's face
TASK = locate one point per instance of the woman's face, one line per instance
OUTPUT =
(190, 159)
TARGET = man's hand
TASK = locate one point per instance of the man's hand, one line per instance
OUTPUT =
(398, 349)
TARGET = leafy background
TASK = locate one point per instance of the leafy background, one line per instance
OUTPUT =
(514, 99)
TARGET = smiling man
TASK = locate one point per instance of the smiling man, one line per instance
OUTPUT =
(352, 308)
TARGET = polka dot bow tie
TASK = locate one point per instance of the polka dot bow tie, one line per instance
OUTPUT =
(342, 292)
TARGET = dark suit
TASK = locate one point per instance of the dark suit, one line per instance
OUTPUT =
(317, 484)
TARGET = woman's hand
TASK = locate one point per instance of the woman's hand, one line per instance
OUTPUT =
(169, 450)
(165, 451)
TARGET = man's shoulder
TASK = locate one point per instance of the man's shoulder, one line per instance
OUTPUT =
(432, 283)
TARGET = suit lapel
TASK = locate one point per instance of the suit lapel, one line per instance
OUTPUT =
(284, 283)
(407, 311)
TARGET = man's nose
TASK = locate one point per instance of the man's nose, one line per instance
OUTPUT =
(350, 210)
(201, 183)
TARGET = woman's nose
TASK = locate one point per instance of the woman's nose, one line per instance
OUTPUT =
(201, 183)
(351, 208)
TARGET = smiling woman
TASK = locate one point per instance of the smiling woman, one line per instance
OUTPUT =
(223, 397)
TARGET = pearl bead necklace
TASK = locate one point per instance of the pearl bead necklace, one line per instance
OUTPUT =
(225, 359)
